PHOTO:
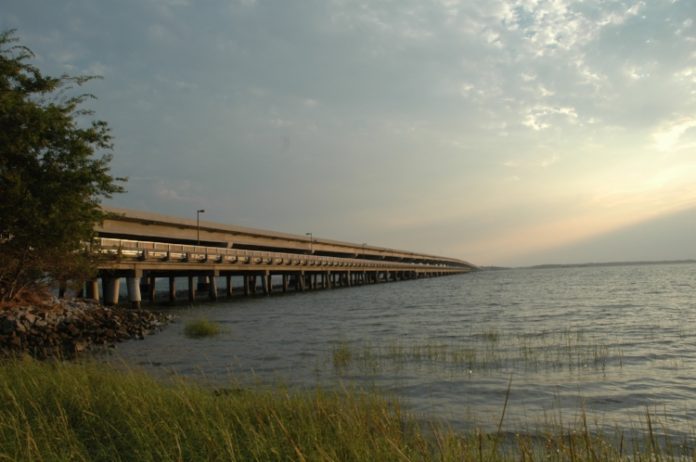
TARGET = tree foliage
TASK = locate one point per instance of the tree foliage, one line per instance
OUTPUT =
(54, 171)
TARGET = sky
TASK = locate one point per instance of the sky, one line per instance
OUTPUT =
(501, 132)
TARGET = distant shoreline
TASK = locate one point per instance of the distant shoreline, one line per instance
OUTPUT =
(590, 264)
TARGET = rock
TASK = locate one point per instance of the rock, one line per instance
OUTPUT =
(69, 327)
(29, 317)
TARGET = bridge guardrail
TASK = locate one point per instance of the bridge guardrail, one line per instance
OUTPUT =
(144, 250)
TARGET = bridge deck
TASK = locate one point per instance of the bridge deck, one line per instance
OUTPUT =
(146, 226)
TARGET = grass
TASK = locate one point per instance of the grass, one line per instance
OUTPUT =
(93, 412)
(199, 328)
(487, 351)
(341, 356)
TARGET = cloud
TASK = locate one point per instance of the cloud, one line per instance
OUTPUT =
(667, 137)
(541, 117)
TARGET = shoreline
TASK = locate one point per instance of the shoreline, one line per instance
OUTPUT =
(64, 328)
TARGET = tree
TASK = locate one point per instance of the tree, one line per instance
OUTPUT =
(54, 171)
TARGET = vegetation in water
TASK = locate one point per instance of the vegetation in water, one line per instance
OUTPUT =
(489, 350)
(93, 412)
(341, 355)
(199, 328)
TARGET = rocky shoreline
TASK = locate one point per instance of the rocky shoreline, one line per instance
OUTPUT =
(66, 327)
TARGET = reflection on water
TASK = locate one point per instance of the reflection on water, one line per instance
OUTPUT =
(614, 342)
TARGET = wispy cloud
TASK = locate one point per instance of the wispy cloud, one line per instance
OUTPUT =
(668, 136)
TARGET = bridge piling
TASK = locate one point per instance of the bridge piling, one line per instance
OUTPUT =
(302, 281)
(228, 285)
(266, 283)
(133, 286)
(172, 289)
(151, 289)
(92, 290)
(191, 289)
(110, 287)
(212, 287)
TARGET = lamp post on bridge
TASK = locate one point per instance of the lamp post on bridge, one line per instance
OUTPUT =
(198, 225)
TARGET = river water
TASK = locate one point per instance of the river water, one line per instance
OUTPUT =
(612, 343)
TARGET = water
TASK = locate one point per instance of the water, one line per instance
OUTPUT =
(613, 343)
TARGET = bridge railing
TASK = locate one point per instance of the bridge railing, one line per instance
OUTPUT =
(145, 250)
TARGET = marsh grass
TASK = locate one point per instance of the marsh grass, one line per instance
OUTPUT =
(489, 350)
(93, 412)
(341, 355)
(199, 328)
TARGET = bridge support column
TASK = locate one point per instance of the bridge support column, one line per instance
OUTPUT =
(191, 290)
(172, 289)
(266, 281)
(297, 284)
(349, 276)
(212, 286)
(228, 286)
(151, 289)
(92, 290)
(133, 285)
(303, 282)
(111, 286)
(285, 282)
(253, 283)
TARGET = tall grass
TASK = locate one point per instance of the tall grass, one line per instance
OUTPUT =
(489, 350)
(88, 412)
(93, 412)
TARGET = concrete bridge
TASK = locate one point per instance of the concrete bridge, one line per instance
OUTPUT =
(143, 246)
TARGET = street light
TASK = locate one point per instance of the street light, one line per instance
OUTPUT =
(311, 240)
(198, 225)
